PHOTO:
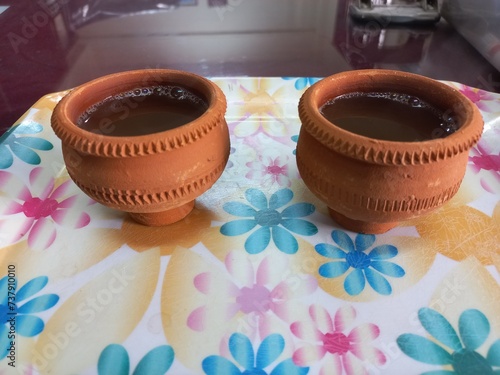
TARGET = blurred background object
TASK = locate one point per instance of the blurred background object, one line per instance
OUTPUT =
(396, 11)
(479, 23)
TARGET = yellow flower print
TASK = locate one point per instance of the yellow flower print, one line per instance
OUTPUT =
(103, 311)
(458, 230)
(66, 257)
(258, 108)
(463, 231)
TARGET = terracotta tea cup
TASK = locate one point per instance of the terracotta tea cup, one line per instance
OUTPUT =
(370, 185)
(155, 176)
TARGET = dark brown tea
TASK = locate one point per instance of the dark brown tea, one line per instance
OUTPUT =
(389, 116)
(143, 111)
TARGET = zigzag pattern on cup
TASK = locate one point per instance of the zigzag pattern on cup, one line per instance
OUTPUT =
(109, 148)
(386, 157)
(331, 191)
(140, 198)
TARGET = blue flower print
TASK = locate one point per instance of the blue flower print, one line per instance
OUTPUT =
(12, 144)
(250, 364)
(366, 266)
(114, 360)
(14, 312)
(271, 222)
(447, 348)
(303, 82)
(295, 138)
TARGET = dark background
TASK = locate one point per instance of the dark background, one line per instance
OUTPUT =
(52, 45)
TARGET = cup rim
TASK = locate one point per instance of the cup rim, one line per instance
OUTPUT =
(384, 151)
(79, 99)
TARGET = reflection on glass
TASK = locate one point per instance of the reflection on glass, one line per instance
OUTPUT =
(379, 42)
(397, 11)
(82, 12)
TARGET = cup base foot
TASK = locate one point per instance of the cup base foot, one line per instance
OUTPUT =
(158, 219)
(360, 226)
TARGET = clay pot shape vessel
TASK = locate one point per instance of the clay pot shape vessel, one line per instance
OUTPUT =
(368, 184)
(153, 174)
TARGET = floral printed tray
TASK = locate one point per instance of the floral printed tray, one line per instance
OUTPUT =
(257, 279)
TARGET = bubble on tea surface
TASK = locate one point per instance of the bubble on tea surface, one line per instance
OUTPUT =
(448, 129)
(415, 102)
(177, 92)
(448, 118)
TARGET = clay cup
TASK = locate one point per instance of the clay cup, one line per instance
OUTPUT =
(370, 185)
(154, 177)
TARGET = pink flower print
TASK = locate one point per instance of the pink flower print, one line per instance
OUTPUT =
(24, 370)
(262, 295)
(487, 159)
(487, 162)
(268, 171)
(328, 342)
(37, 210)
(478, 97)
